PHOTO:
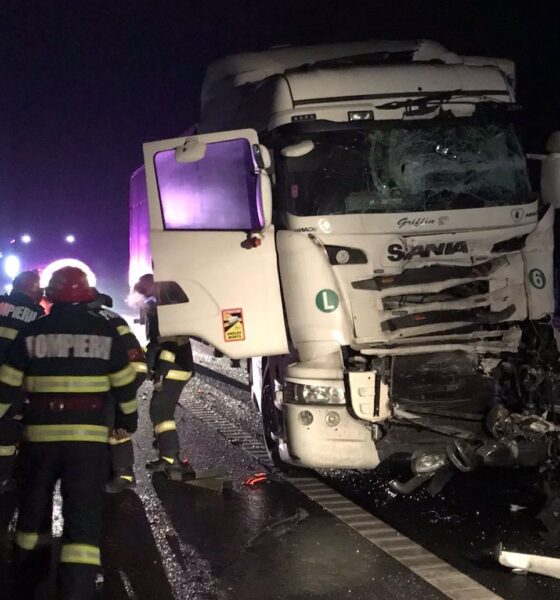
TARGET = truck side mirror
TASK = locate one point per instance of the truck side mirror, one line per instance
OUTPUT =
(550, 172)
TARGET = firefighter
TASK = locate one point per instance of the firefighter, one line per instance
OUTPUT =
(122, 451)
(71, 364)
(171, 363)
(17, 309)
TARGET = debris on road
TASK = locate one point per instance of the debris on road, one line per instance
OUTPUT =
(529, 563)
(255, 479)
(277, 529)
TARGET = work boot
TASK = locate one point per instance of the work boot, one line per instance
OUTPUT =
(173, 468)
(120, 483)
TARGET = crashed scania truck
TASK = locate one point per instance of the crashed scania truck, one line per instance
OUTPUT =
(358, 219)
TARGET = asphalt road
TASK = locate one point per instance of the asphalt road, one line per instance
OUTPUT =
(167, 540)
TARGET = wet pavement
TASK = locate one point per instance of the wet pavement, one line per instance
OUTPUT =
(167, 540)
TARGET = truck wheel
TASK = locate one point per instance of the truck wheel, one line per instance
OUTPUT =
(271, 420)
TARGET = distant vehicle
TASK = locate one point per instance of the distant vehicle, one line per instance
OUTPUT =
(358, 219)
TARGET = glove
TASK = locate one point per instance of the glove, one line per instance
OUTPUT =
(128, 422)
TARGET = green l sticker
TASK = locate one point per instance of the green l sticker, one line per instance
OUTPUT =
(327, 300)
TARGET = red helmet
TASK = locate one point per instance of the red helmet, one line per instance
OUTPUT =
(69, 284)
(27, 282)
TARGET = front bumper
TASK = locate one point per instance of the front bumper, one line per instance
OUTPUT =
(347, 445)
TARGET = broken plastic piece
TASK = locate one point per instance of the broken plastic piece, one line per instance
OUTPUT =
(255, 479)
(277, 529)
(529, 563)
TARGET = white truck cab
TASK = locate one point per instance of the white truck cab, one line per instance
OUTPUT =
(358, 218)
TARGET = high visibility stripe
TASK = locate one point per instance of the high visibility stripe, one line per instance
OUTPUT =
(4, 409)
(66, 433)
(11, 376)
(129, 407)
(83, 554)
(67, 384)
(139, 367)
(7, 450)
(8, 332)
(123, 330)
(167, 356)
(165, 426)
(115, 442)
(122, 377)
(30, 541)
(178, 375)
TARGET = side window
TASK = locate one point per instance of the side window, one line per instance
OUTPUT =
(218, 192)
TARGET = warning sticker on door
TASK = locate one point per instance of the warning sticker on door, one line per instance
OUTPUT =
(234, 328)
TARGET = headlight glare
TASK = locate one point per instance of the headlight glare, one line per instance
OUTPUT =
(317, 394)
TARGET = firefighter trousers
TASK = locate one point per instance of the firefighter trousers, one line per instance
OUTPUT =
(162, 412)
(10, 430)
(81, 468)
(122, 451)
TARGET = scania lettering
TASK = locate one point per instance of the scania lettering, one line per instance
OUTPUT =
(366, 210)
(398, 252)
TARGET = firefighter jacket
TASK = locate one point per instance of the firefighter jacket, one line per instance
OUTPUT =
(16, 311)
(71, 364)
(172, 356)
(132, 345)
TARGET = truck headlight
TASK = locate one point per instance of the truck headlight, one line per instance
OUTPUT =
(314, 394)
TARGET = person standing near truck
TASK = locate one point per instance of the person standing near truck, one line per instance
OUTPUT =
(120, 440)
(17, 309)
(171, 362)
(71, 364)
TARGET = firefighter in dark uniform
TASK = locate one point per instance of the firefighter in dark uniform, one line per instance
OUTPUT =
(171, 363)
(120, 441)
(71, 364)
(17, 309)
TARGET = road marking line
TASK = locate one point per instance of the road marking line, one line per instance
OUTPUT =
(427, 566)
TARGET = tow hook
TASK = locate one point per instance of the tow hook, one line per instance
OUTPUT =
(407, 487)
(462, 456)
(425, 466)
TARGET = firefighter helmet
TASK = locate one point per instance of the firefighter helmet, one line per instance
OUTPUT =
(27, 282)
(69, 284)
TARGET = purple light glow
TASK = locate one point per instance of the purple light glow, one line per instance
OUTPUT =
(139, 238)
(218, 192)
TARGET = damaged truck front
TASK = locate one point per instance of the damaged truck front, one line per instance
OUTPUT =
(358, 219)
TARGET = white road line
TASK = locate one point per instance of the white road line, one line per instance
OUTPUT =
(439, 574)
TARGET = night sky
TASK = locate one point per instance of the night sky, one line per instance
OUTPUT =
(85, 83)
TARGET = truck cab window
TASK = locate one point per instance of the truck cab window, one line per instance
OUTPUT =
(218, 192)
(407, 167)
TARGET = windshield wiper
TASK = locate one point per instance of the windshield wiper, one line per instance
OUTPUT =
(422, 100)
(433, 100)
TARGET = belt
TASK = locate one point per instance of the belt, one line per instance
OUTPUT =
(94, 402)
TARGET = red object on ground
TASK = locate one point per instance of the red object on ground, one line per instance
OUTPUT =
(255, 479)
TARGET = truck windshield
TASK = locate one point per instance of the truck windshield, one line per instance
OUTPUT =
(408, 167)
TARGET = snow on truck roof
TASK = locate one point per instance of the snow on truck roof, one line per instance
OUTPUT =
(233, 71)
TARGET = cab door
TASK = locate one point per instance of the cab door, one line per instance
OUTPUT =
(211, 235)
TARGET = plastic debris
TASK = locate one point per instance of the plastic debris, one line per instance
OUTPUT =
(529, 563)
(277, 529)
(255, 479)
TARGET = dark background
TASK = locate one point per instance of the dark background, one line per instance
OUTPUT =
(85, 83)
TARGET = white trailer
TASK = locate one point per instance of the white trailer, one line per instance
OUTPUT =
(359, 220)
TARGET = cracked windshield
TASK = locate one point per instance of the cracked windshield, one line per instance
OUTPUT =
(408, 168)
